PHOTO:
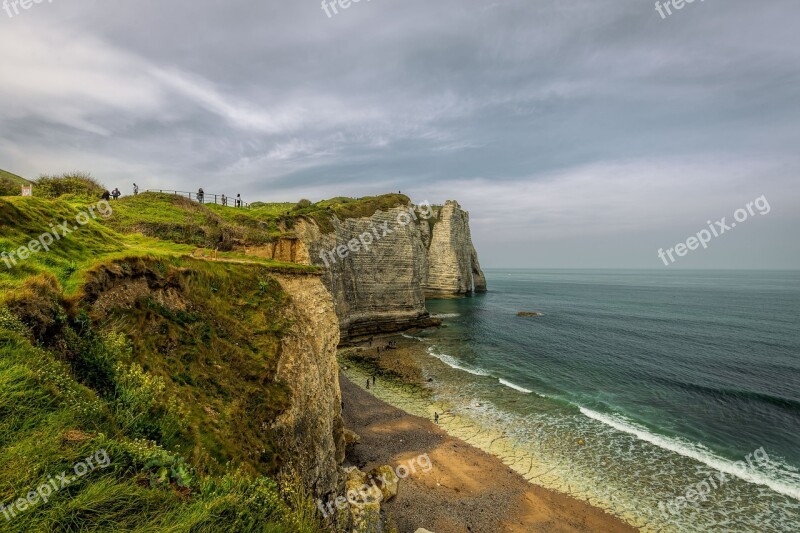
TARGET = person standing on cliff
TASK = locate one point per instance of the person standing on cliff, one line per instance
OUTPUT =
(436, 417)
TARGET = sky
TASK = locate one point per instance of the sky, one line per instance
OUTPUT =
(578, 134)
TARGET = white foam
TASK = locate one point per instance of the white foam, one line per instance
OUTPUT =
(515, 387)
(446, 315)
(696, 452)
(411, 337)
(452, 362)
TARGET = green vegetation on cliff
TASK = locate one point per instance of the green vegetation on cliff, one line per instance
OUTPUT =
(126, 343)
(146, 334)
(10, 183)
(19, 180)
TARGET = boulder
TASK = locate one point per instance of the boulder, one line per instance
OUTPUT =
(351, 438)
(385, 478)
(364, 501)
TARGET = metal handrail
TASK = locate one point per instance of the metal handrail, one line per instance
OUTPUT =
(230, 201)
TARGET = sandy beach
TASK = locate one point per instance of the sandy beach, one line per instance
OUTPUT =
(467, 490)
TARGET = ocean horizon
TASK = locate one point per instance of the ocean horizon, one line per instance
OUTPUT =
(633, 389)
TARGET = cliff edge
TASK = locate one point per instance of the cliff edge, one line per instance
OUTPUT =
(381, 268)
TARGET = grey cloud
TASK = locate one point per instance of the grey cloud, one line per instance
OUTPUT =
(498, 104)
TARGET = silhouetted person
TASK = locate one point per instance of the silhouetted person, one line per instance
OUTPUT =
(373, 380)
(200, 195)
(367, 383)
(106, 195)
(238, 200)
(135, 189)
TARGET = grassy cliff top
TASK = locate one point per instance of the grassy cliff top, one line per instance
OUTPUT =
(133, 346)
(13, 177)
(100, 240)
(283, 215)
(177, 219)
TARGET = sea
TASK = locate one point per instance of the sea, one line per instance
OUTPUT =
(670, 398)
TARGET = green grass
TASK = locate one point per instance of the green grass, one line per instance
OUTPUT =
(132, 336)
(19, 180)
(280, 218)
(123, 342)
(25, 219)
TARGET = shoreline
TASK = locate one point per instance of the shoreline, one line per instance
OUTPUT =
(467, 490)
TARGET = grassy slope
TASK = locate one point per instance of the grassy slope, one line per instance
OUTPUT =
(13, 177)
(180, 220)
(173, 388)
(174, 383)
(340, 206)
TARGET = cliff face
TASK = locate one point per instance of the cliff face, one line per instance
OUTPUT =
(254, 352)
(310, 430)
(453, 266)
(379, 269)
(378, 287)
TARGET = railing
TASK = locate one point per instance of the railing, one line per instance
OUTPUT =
(229, 201)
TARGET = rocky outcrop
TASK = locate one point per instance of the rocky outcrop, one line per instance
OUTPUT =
(375, 269)
(380, 269)
(310, 431)
(453, 267)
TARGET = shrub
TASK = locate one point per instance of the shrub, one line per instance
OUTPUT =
(8, 187)
(76, 183)
(37, 303)
(302, 204)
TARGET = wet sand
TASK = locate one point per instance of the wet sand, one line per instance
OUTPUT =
(467, 490)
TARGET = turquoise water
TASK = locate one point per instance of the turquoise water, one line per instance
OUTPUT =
(636, 387)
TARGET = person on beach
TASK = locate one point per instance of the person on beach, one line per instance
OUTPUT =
(436, 417)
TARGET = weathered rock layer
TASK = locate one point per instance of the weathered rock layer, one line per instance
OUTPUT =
(310, 431)
(380, 269)
(453, 266)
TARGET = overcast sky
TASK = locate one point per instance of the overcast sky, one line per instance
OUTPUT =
(580, 133)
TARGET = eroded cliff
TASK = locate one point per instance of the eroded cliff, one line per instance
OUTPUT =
(380, 268)
(453, 267)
